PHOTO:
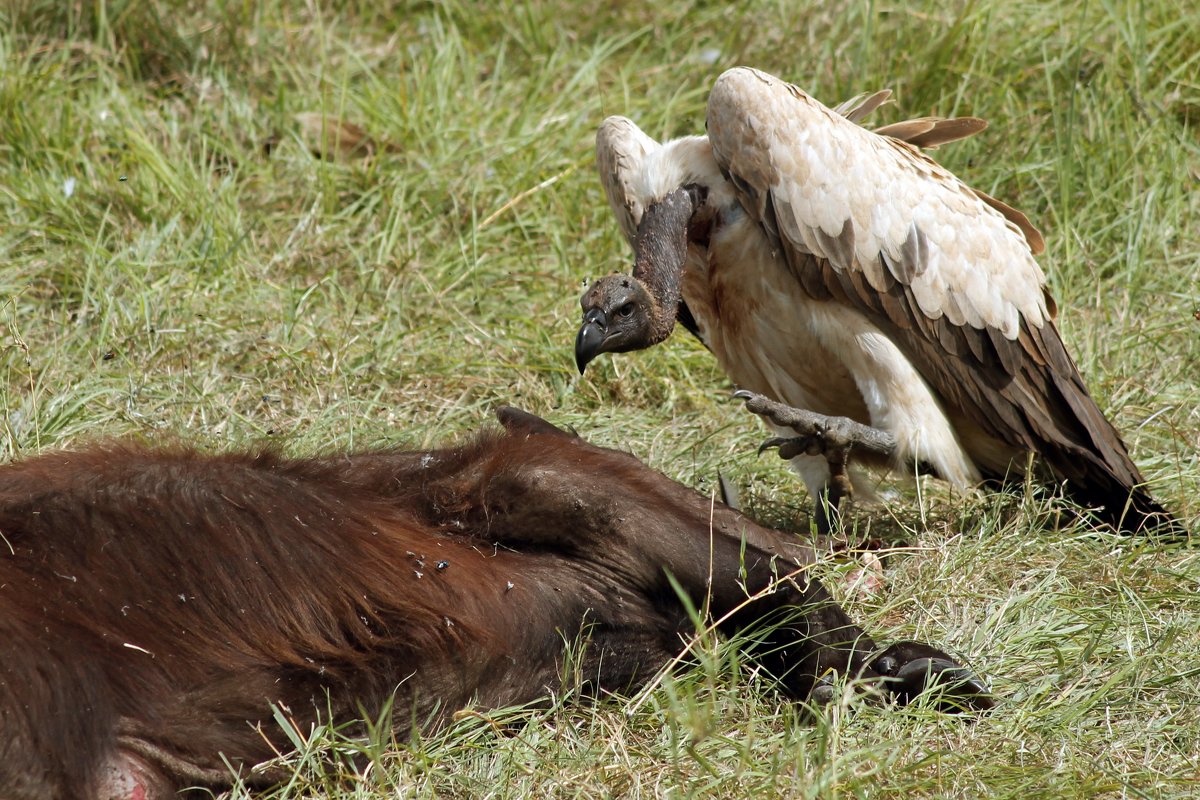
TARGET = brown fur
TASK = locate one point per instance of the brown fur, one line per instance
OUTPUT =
(154, 603)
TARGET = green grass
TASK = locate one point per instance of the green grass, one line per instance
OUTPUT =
(206, 277)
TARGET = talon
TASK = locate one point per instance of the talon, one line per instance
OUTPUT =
(774, 441)
(802, 445)
(744, 394)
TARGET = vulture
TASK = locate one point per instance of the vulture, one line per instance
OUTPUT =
(871, 306)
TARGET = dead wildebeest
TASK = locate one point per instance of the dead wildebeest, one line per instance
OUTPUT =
(155, 603)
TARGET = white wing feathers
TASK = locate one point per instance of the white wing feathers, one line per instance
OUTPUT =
(873, 204)
(620, 148)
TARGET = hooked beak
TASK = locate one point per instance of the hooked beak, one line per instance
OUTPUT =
(590, 341)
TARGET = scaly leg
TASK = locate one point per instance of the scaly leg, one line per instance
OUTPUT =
(835, 438)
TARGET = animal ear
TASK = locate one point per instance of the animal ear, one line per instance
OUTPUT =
(515, 420)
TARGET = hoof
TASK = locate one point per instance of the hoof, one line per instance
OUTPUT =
(912, 671)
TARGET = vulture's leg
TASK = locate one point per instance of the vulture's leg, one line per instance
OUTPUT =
(818, 434)
(835, 438)
(828, 509)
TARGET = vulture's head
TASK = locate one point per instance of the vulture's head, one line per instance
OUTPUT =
(619, 315)
(633, 312)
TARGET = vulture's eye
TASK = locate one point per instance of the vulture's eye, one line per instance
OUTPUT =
(626, 310)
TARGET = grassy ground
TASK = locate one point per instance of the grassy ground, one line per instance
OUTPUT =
(177, 262)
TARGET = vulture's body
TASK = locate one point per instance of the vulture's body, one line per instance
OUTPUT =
(841, 270)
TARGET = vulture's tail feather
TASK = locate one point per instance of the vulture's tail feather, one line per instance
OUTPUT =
(1080, 445)
(1100, 474)
(1125, 509)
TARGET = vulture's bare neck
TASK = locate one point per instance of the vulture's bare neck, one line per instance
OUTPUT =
(661, 254)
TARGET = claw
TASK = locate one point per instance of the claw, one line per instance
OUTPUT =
(821, 434)
(774, 441)
(792, 446)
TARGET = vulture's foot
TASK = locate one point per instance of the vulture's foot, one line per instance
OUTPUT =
(912, 669)
(834, 438)
(817, 434)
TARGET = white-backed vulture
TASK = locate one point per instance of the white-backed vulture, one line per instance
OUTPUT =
(842, 271)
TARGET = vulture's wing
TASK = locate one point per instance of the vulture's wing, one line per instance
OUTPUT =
(870, 222)
(858, 108)
(621, 146)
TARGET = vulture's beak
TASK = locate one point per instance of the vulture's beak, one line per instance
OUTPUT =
(590, 341)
